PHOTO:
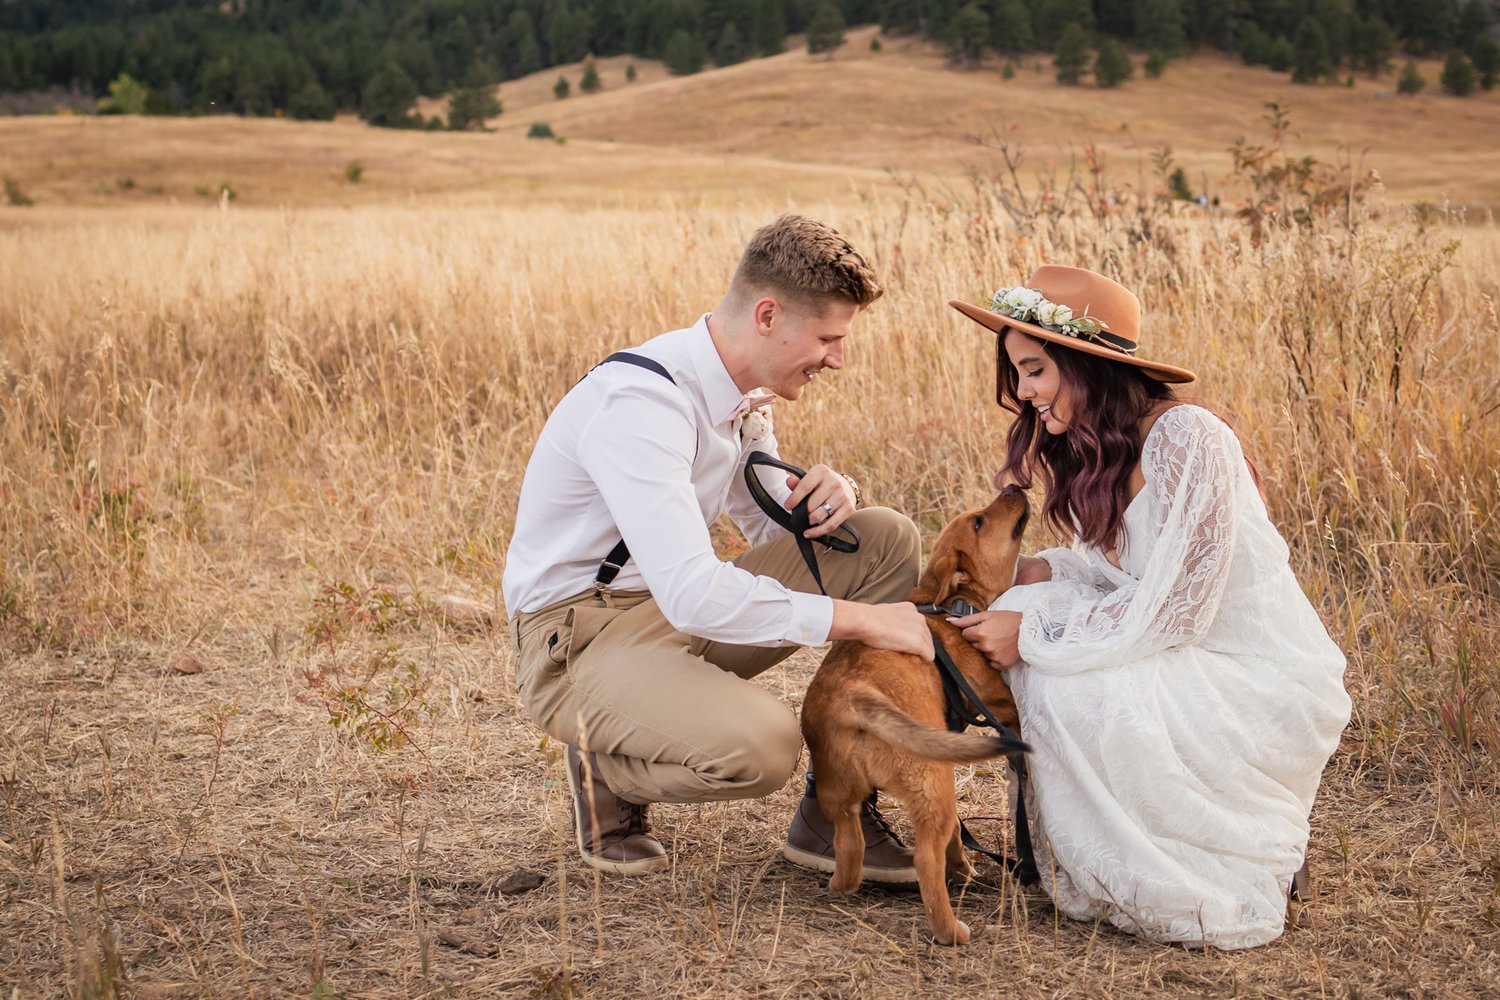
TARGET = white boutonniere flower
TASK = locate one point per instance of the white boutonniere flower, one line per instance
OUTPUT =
(755, 422)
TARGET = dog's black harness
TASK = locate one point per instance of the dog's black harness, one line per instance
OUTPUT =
(797, 520)
(958, 695)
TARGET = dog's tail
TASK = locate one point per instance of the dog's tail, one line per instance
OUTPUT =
(880, 718)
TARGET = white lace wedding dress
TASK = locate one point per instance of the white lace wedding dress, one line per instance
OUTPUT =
(1180, 708)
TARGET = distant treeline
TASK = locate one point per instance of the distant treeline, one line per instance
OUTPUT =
(310, 57)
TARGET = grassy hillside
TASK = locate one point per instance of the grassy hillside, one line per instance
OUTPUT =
(248, 459)
(789, 127)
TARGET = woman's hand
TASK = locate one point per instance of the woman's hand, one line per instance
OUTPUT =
(993, 633)
(1032, 569)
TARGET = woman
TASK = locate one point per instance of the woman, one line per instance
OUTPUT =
(1178, 690)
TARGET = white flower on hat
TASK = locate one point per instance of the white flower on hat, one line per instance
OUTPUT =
(1021, 301)
(1030, 306)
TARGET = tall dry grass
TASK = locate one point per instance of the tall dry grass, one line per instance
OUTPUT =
(194, 397)
(209, 415)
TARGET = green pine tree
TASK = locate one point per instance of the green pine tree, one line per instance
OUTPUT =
(683, 54)
(768, 27)
(1112, 65)
(1411, 81)
(825, 32)
(1374, 43)
(470, 107)
(561, 89)
(1337, 19)
(1458, 75)
(1072, 54)
(1485, 55)
(1010, 28)
(589, 81)
(730, 48)
(1281, 55)
(1254, 45)
(1158, 25)
(1054, 16)
(312, 103)
(1310, 59)
(388, 98)
(1474, 23)
(518, 45)
(967, 34)
(1156, 64)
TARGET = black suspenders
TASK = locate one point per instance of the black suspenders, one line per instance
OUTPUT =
(620, 554)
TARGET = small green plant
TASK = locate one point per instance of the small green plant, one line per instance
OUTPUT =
(379, 699)
(589, 82)
(1287, 190)
(1156, 64)
(354, 171)
(1008, 71)
(540, 130)
(875, 44)
(561, 88)
(126, 183)
(380, 703)
(630, 72)
(15, 195)
(226, 192)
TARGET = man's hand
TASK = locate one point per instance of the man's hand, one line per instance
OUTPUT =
(1032, 569)
(830, 500)
(993, 633)
(900, 627)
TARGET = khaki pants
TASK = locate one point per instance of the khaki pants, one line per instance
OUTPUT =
(673, 717)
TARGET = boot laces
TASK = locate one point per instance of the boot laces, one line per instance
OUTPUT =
(879, 823)
(634, 818)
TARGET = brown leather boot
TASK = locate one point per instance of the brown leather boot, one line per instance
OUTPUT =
(613, 835)
(1302, 889)
(809, 843)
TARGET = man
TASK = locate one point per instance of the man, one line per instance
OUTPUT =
(645, 674)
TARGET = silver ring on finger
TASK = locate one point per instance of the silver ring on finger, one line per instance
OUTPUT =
(827, 509)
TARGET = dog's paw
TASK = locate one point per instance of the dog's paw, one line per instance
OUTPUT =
(959, 936)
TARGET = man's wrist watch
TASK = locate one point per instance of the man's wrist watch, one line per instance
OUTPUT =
(853, 486)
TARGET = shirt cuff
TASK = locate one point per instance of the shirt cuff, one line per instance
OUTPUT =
(812, 619)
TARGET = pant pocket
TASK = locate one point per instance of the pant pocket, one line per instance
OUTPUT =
(581, 627)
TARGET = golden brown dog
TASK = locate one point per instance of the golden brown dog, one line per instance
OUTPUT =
(874, 718)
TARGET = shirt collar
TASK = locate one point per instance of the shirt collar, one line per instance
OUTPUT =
(721, 397)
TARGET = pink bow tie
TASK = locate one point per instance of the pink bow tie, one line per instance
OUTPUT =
(752, 402)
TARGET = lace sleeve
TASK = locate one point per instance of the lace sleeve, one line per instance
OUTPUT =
(1074, 566)
(1190, 464)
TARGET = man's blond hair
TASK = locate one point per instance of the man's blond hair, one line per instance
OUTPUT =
(807, 261)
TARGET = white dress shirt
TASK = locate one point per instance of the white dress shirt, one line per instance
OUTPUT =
(627, 454)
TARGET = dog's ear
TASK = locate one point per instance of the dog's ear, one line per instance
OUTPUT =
(950, 583)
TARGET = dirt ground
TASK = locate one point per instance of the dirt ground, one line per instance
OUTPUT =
(169, 834)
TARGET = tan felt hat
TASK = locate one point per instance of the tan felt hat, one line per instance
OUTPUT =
(1076, 308)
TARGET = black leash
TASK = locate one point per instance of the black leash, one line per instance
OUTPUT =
(797, 520)
(959, 694)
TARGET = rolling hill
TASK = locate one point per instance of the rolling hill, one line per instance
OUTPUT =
(792, 126)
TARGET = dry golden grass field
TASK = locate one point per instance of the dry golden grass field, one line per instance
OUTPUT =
(259, 460)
